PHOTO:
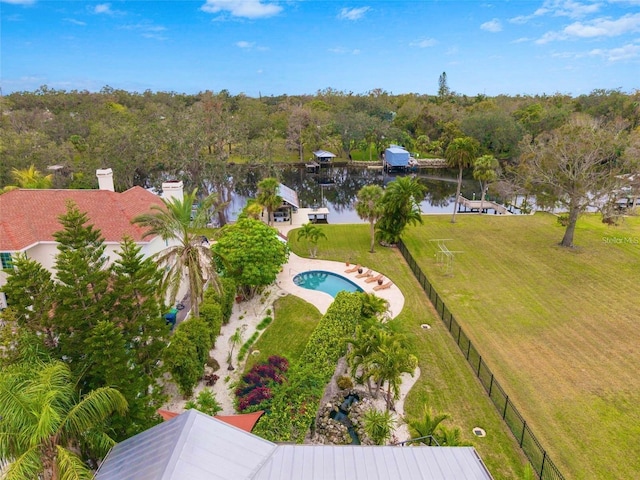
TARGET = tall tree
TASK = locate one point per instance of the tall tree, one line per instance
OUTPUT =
(45, 422)
(369, 208)
(30, 294)
(186, 253)
(250, 253)
(269, 197)
(400, 207)
(443, 86)
(460, 154)
(485, 170)
(389, 361)
(82, 290)
(576, 165)
(312, 234)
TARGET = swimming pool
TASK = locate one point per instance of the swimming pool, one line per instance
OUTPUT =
(326, 282)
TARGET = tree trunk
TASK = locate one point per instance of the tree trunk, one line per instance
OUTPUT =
(372, 231)
(455, 204)
(484, 191)
(567, 240)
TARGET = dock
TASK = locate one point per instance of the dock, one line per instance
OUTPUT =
(476, 205)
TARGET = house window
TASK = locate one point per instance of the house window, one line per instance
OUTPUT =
(7, 260)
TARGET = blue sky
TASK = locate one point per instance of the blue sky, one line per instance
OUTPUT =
(269, 47)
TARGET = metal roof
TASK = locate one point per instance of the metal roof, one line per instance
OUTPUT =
(396, 156)
(289, 195)
(196, 446)
(323, 154)
(190, 446)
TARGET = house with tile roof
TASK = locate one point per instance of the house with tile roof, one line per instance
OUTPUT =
(29, 218)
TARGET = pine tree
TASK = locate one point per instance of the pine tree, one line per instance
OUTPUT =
(30, 294)
(82, 291)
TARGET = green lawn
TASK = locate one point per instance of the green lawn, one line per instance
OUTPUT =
(558, 327)
(293, 321)
(447, 382)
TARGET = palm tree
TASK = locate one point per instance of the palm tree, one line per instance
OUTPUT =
(369, 208)
(460, 154)
(187, 253)
(427, 424)
(312, 234)
(374, 307)
(485, 170)
(400, 207)
(378, 425)
(390, 360)
(235, 340)
(31, 178)
(45, 423)
(268, 197)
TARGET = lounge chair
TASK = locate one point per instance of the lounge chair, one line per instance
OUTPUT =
(365, 274)
(354, 269)
(374, 279)
(384, 286)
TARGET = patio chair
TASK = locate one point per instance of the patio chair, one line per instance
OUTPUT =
(354, 269)
(365, 274)
(374, 279)
(384, 286)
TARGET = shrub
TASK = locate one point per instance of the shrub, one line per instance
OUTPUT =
(344, 382)
(264, 323)
(181, 360)
(205, 402)
(199, 333)
(246, 346)
(213, 364)
(296, 401)
(254, 390)
(211, 313)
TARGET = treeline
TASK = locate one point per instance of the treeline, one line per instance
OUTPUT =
(212, 140)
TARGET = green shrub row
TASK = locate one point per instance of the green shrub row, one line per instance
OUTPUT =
(188, 351)
(296, 402)
(247, 345)
(224, 296)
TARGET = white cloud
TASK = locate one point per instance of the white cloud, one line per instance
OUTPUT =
(605, 27)
(242, 8)
(626, 52)
(427, 42)
(103, 8)
(19, 2)
(492, 26)
(568, 8)
(243, 44)
(600, 27)
(75, 22)
(345, 51)
(352, 13)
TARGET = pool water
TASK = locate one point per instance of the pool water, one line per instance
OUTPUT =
(326, 282)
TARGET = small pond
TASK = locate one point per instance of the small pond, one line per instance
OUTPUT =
(326, 282)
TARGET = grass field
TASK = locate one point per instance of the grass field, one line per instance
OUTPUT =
(446, 382)
(558, 327)
(293, 322)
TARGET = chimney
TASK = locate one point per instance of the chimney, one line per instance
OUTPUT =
(173, 189)
(105, 179)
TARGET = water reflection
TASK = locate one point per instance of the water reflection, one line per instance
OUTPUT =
(336, 188)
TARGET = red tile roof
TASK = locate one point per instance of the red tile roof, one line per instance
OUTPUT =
(243, 421)
(31, 216)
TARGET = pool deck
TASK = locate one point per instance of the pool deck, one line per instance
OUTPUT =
(322, 300)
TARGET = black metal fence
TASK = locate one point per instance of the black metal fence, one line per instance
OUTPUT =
(540, 461)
